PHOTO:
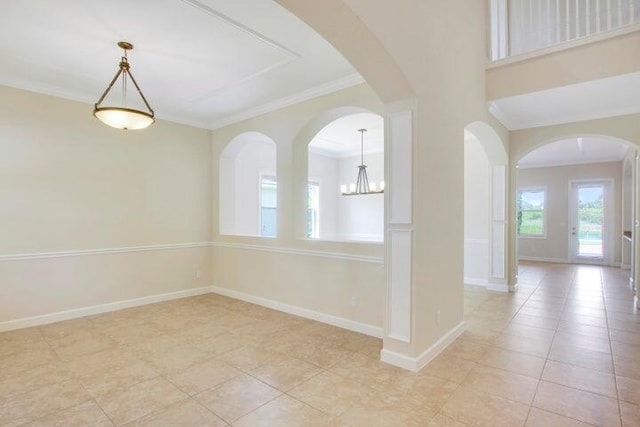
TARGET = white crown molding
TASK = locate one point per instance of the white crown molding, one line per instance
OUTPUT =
(341, 322)
(569, 163)
(86, 252)
(314, 92)
(59, 316)
(283, 250)
(415, 364)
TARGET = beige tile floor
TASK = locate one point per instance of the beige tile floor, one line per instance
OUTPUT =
(563, 351)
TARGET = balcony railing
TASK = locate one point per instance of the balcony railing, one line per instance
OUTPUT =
(523, 26)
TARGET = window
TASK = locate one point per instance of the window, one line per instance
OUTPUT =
(268, 206)
(313, 210)
(531, 216)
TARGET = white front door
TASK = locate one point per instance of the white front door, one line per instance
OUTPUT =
(590, 226)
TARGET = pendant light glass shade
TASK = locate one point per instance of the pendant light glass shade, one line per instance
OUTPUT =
(124, 117)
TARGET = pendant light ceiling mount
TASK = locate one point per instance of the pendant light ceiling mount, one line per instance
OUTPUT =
(362, 186)
(123, 117)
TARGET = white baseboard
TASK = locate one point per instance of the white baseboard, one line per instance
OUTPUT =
(340, 322)
(473, 281)
(541, 259)
(417, 363)
(59, 316)
(498, 287)
(625, 266)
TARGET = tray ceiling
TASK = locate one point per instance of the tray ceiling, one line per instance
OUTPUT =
(206, 63)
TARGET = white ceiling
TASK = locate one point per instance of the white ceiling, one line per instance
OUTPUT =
(207, 62)
(341, 138)
(574, 151)
(595, 99)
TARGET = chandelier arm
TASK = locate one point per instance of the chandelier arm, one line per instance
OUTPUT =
(108, 88)
(140, 92)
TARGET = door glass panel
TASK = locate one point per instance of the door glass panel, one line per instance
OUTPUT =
(590, 220)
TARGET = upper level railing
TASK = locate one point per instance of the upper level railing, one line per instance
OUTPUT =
(523, 26)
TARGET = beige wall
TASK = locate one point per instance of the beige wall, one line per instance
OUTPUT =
(555, 245)
(313, 275)
(615, 56)
(70, 183)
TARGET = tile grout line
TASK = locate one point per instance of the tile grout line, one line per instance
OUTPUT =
(613, 360)
(546, 359)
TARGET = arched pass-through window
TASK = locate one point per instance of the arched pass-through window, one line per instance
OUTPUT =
(334, 156)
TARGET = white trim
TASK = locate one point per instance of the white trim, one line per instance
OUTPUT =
(314, 92)
(498, 287)
(85, 252)
(534, 189)
(340, 322)
(542, 259)
(474, 281)
(59, 316)
(305, 252)
(415, 364)
(625, 266)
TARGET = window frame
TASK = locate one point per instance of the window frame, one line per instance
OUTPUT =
(533, 189)
(316, 182)
(273, 177)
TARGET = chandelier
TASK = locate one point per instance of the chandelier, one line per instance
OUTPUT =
(362, 185)
(123, 117)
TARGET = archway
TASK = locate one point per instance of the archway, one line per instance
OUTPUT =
(334, 156)
(574, 199)
(248, 186)
(485, 208)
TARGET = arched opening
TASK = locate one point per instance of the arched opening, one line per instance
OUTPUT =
(575, 201)
(248, 186)
(485, 191)
(334, 156)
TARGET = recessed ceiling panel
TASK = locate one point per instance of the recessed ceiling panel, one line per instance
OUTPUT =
(197, 61)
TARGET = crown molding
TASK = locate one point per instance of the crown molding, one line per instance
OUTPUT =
(314, 92)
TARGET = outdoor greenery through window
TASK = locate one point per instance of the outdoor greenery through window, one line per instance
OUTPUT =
(531, 212)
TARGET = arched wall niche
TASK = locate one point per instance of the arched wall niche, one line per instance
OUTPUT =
(248, 186)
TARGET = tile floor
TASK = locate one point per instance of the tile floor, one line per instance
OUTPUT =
(563, 351)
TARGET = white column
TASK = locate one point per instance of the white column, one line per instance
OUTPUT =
(399, 133)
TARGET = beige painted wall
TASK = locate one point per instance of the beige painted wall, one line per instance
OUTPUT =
(70, 183)
(555, 246)
(304, 276)
(616, 56)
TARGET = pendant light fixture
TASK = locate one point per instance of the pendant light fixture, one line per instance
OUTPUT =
(123, 117)
(362, 184)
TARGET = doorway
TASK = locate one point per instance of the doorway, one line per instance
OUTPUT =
(590, 213)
